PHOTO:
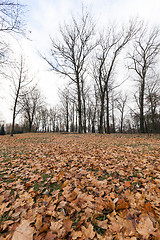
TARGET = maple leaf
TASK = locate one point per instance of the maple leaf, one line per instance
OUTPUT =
(121, 204)
(145, 226)
(76, 234)
(24, 231)
(103, 224)
(88, 232)
(55, 226)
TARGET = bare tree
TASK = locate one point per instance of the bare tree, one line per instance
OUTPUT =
(3, 51)
(143, 63)
(19, 77)
(108, 50)
(65, 100)
(10, 16)
(153, 102)
(92, 106)
(45, 118)
(121, 101)
(53, 116)
(31, 102)
(11, 13)
(70, 54)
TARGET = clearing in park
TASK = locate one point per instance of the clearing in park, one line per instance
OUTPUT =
(88, 186)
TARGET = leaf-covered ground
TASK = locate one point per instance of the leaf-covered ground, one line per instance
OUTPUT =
(70, 186)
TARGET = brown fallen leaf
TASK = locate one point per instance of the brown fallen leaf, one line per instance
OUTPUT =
(24, 231)
(55, 226)
(110, 205)
(50, 236)
(67, 225)
(115, 226)
(103, 224)
(145, 226)
(88, 232)
(45, 227)
(38, 222)
(76, 234)
(121, 204)
(127, 184)
(6, 224)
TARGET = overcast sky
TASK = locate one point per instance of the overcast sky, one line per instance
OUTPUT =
(43, 18)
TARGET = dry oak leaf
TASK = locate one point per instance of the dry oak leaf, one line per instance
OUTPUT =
(156, 235)
(45, 227)
(110, 205)
(145, 226)
(115, 226)
(55, 226)
(88, 232)
(72, 196)
(24, 231)
(76, 234)
(50, 236)
(67, 225)
(148, 208)
(103, 224)
(121, 204)
(127, 184)
(38, 222)
(128, 228)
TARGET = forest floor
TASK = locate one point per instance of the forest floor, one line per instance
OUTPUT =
(70, 186)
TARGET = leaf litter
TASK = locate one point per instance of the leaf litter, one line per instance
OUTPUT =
(88, 186)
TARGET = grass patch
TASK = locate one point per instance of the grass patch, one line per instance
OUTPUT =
(45, 177)
(5, 217)
(54, 187)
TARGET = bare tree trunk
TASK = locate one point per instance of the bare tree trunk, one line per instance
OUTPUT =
(142, 109)
(20, 82)
(101, 114)
(14, 111)
(67, 117)
(79, 109)
(107, 111)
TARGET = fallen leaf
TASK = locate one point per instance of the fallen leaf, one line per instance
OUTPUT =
(145, 226)
(76, 234)
(55, 226)
(127, 184)
(38, 222)
(121, 204)
(103, 224)
(88, 232)
(24, 231)
(50, 236)
(67, 225)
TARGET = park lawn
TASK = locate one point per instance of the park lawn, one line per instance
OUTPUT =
(71, 186)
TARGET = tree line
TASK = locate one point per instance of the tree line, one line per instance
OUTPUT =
(92, 98)
(88, 59)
